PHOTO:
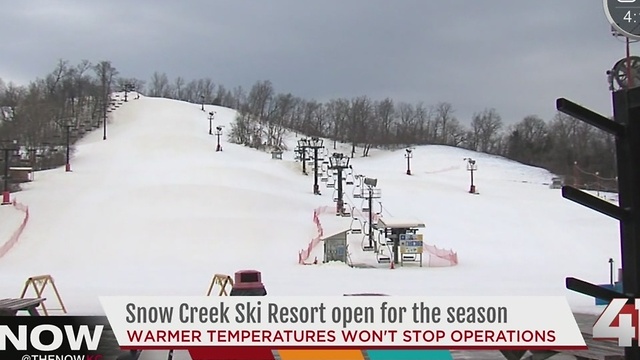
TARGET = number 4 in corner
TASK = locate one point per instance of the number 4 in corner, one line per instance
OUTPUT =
(618, 321)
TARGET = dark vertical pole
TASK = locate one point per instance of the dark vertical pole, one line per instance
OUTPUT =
(611, 278)
(316, 187)
(340, 203)
(471, 178)
(408, 164)
(303, 156)
(5, 190)
(627, 113)
(210, 125)
(370, 217)
(68, 164)
(104, 117)
(396, 244)
(126, 91)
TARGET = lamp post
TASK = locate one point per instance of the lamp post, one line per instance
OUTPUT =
(315, 144)
(371, 184)
(471, 167)
(202, 102)
(303, 144)
(408, 156)
(218, 134)
(7, 148)
(339, 162)
(212, 114)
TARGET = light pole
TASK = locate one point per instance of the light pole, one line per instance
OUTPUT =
(315, 144)
(7, 148)
(339, 162)
(303, 144)
(408, 156)
(202, 102)
(218, 134)
(471, 167)
(371, 184)
(212, 114)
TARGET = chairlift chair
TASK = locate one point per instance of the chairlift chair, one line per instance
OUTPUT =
(357, 191)
(382, 258)
(356, 225)
(331, 182)
(349, 178)
(365, 206)
(335, 195)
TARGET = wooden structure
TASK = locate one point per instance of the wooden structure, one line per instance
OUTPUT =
(221, 280)
(20, 174)
(10, 307)
(38, 284)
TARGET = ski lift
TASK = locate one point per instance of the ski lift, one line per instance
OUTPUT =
(357, 191)
(356, 225)
(346, 210)
(335, 195)
(365, 205)
(382, 258)
(331, 182)
(349, 178)
(324, 178)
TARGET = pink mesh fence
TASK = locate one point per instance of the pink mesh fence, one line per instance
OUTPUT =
(433, 256)
(304, 254)
(4, 249)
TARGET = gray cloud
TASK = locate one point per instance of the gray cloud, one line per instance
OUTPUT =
(515, 56)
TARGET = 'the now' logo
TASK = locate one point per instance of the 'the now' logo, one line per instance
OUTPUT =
(28, 338)
(618, 321)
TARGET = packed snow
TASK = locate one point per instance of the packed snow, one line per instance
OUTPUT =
(155, 210)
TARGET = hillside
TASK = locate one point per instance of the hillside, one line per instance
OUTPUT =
(155, 210)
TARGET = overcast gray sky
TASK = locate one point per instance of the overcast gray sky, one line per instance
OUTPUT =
(514, 55)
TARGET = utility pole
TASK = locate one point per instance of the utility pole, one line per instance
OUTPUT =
(339, 162)
(7, 148)
(316, 144)
(202, 101)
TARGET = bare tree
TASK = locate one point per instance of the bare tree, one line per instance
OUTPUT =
(485, 131)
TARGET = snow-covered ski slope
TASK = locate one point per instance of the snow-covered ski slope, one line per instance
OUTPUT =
(155, 210)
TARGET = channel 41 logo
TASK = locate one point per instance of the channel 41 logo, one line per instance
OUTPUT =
(53, 338)
(619, 322)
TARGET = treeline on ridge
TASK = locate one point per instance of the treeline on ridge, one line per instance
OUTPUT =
(34, 115)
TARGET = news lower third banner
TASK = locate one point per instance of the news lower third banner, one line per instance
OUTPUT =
(255, 328)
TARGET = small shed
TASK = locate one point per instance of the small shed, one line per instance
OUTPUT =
(21, 174)
(276, 154)
(557, 182)
(335, 247)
